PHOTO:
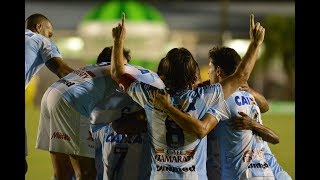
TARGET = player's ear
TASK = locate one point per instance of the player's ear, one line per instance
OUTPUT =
(38, 27)
(219, 71)
(194, 81)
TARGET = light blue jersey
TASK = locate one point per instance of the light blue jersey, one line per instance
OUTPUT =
(124, 156)
(92, 87)
(241, 151)
(117, 155)
(277, 170)
(38, 50)
(176, 154)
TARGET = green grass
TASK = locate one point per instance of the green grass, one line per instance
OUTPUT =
(280, 121)
(283, 125)
(39, 162)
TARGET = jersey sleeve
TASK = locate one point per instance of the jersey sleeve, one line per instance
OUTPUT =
(215, 101)
(49, 50)
(220, 111)
(140, 92)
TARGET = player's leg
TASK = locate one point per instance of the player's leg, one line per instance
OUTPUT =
(84, 167)
(62, 168)
(59, 130)
(83, 161)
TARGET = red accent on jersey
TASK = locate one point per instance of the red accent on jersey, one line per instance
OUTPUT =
(125, 81)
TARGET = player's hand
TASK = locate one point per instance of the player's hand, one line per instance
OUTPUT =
(161, 100)
(119, 32)
(256, 31)
(245, 87)
(242, 122)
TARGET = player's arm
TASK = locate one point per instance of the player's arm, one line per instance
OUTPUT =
(259, 98)
(57, 66)
(118, 72)
(243, 71)
(193, 125)
(117, 65)
(245, 122)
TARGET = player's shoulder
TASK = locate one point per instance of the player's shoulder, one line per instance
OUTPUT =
(39, 39)
(208, 88)
(243, 93)
(138, 70)
(29, 33)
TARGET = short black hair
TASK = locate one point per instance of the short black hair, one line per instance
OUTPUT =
(105, 55)
(35, 19)
(227, 58)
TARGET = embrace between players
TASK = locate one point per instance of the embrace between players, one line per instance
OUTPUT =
(113, 120)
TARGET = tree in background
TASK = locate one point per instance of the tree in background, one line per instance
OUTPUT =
(279, 46)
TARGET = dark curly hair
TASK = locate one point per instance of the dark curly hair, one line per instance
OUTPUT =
(178, 70)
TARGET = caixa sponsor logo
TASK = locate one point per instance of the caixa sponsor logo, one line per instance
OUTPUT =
(123, 138)
(243, 100)
(62, 136)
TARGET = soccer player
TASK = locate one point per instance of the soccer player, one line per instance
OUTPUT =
(123, 145)
(248, 124)
(40, 51)
(223, 62)
(241, 141)
(179, 144)
(66, 107)
(119, 131)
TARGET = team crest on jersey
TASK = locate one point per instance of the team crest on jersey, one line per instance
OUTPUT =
(250, 154)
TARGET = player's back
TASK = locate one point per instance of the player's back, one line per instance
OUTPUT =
(119, 102)
(121, 152)
(85, 87)
(177, 154)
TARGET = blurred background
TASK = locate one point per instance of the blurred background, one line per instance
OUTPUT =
(82, 28)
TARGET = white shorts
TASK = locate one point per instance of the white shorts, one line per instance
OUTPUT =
(62, 129)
